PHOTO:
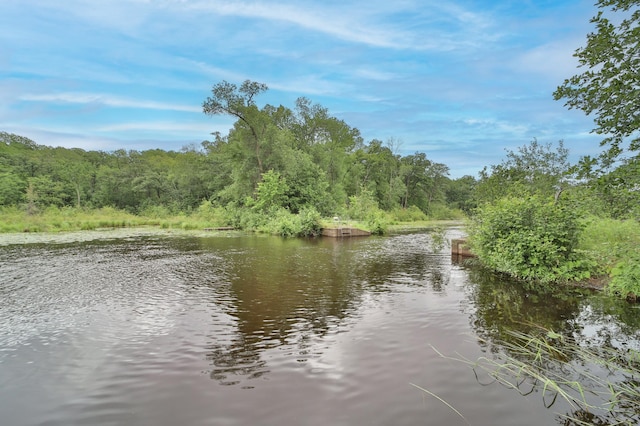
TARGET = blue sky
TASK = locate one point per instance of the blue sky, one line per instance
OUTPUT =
(459, 80)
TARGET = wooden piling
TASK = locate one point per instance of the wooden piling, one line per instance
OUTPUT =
(459, 247)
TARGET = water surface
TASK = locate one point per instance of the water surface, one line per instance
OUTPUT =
(232, 329)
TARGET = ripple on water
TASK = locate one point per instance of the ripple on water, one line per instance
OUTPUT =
(209, 331)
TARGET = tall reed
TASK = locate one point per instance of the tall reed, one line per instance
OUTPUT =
(600, 385)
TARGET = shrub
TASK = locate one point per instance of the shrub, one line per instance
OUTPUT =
(625, 277)
(410, 214)
(442, 212)
(309, 222)
(365, 208)
(377, 222)
(530, 238)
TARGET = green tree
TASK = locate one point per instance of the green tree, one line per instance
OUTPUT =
(610, 85)
(424, 181)
(330, 142)
(12, 189)
(271, 192)
(76, 172)
(460, 193)
(619, 190)
(44, 191)
(239, 102)
(532, 169)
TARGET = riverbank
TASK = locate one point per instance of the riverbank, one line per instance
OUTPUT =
(55, 220)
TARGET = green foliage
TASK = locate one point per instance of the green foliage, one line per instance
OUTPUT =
(440, 211)
(609, 86)
(461, 194)
(210, 214)
(272, 158)
(614, 244)
(270, 193)
(156, 212)
(309, 222)
(377, 222)
(12, 189)
(609, 239)
(625, 277)
(304, 224)
(618, 191)
(276, 221)
(364, 207)
(424, 181)
(530, 238)
(534, 169)
(410, 214)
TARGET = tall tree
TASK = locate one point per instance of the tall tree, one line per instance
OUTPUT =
(533, 168)
(610, 85)
(239, 102)
(424, 181)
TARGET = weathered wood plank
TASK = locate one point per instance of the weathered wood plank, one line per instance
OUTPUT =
(344, 232)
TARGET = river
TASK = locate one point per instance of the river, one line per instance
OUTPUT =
(137, 328)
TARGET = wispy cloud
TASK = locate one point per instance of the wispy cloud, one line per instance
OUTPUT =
(167, 126)
(130, 72)
(108, 100)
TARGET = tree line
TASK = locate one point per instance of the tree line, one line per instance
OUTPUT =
(272, 157)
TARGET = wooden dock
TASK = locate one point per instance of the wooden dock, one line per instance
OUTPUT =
(459, 247)
(344, 232)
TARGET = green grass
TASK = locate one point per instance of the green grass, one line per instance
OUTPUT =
(54, 219)
(610, 240)
(614, 245)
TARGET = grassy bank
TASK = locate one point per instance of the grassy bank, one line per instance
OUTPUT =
(71, 219)
(54, 219)
(613, 245)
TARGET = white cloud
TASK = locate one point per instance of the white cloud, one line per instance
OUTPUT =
(108, 100)
(168, 127)
(553, 61)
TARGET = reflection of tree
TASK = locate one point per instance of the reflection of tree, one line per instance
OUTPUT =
(281, 293)
(539, 343)
(288, 293)
(502, 305)
(236, 361)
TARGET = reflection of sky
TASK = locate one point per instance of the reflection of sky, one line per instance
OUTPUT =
(86, 287)
(599, 328)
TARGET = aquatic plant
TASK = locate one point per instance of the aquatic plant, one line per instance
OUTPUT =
(600, 385)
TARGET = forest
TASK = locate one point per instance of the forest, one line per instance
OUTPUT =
(277, 160)
(273, 159)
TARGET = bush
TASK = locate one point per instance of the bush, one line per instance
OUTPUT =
(410, 214)
(625, 277)
(377, 222)
(309, 222)
(365, 208)
(286, 224)
(530, 238)
(442, 212)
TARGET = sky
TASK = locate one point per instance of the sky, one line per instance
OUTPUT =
(460, 80)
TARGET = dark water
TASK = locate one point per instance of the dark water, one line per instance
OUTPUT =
(240, 330)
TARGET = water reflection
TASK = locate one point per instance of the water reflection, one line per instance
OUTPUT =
(289, 294)
(501, 304)
(543, 336)
(195, 329)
